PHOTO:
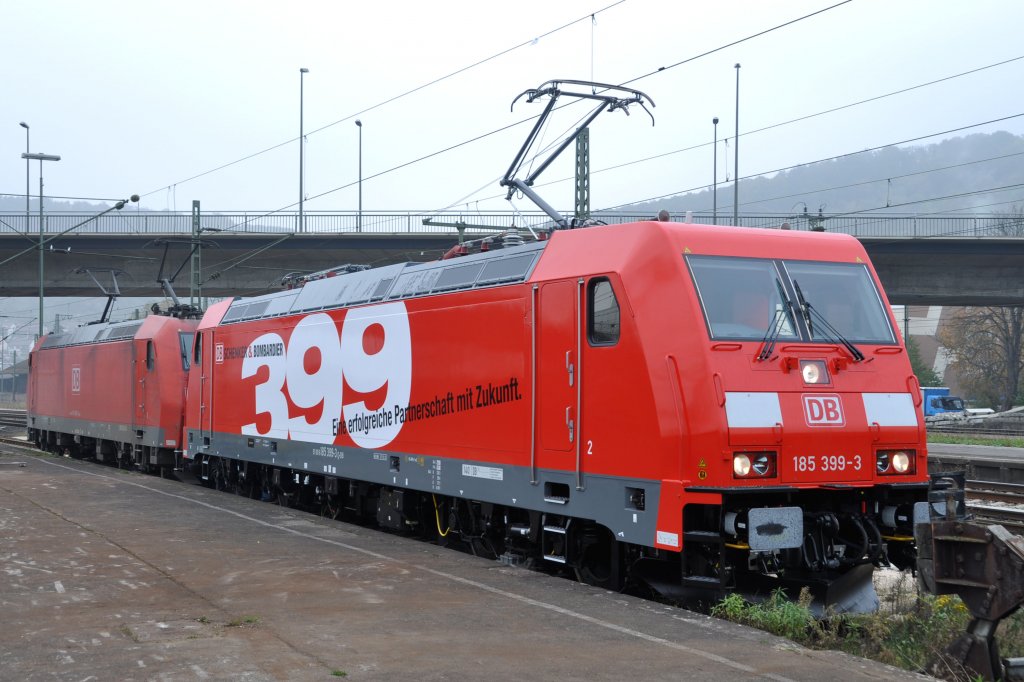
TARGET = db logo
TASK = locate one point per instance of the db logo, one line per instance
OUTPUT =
(823, 410)
(76, 379)
(219, 355)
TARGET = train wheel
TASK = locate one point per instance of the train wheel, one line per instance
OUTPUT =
(246, 488)
(216, 477)
(331, 507)
(598, 557)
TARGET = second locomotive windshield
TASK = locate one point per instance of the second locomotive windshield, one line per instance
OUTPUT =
(753, 298)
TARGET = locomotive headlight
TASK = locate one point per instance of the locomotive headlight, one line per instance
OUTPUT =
(753, 464)
(882, 462)
(762, 464)
(814, 371)
(890, 462)
(900, 462)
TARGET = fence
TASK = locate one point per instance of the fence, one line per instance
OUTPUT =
(131, 222)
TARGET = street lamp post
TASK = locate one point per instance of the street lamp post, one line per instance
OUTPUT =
(302, 143)
(714, 175)
(40, 158)
(736, 163)
(359, 222)
(27, 164)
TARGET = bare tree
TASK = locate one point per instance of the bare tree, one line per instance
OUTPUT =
(987, 345)
(1010, 223)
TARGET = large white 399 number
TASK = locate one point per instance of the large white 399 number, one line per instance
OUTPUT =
(373, 353)
(314, 377)
(368, 369)
(270, 394)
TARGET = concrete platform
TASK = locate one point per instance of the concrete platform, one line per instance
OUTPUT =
(109, 575)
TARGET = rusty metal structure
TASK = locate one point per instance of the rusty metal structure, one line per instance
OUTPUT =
(983, 565)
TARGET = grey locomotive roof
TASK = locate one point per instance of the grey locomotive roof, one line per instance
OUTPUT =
(93, 333)
(394, 282)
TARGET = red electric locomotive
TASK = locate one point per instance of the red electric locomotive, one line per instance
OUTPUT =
(113, 391)
(701, 408)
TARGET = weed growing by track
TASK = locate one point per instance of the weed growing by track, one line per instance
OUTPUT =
(996, 441)
(910, 630)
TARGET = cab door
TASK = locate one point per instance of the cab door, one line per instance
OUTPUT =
(558, 372)
(202, 360)
(139, 376)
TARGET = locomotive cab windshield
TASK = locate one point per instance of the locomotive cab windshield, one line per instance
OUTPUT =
(749, 299)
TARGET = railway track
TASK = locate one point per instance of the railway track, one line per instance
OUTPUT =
(11, 422)
(957, 430)
(991, 491)
(989, 500)
(1012, 518)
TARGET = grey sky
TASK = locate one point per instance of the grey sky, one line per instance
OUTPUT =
(137, 97)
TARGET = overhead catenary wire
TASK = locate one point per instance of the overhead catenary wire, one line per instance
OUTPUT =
(638, 78)
(493, 132)
(21, 195)
(873, 181)
(531, 41)
(590, 15)
(917, 138)
(781, 124)
(477, 138)
(525, 120)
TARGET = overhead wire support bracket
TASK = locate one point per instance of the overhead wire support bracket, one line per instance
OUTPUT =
(553, 89)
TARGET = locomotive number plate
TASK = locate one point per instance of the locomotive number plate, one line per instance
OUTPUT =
(827, 463)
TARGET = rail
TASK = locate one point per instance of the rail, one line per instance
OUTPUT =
(11, 420)
(989, 433)
(130, 222)
(1011, 518)
(992, 496)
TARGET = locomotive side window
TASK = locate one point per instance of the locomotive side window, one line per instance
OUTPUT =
(742, 298)
(603, 313)
(185, 342)
(150, 356)
(197, 351)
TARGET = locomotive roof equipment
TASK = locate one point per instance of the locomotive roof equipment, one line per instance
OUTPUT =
(553, 89)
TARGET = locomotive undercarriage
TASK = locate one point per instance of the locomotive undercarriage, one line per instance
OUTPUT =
(836, 540)
(839, 543)
(514, 536)
(148, 459)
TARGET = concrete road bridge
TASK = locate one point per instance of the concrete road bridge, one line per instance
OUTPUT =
(922, 260)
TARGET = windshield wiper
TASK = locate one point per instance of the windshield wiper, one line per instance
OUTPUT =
(805, 308)
(770, 336)
(775, 326)
(831, 333)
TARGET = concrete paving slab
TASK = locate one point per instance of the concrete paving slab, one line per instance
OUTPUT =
(106, 574)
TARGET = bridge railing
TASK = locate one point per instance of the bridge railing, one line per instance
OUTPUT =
(479, 223)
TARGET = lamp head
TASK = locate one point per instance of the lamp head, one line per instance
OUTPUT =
(715, 120)
(23, 125)
(41, 157)
(359, 123)
(303, 70)
(119, 205)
